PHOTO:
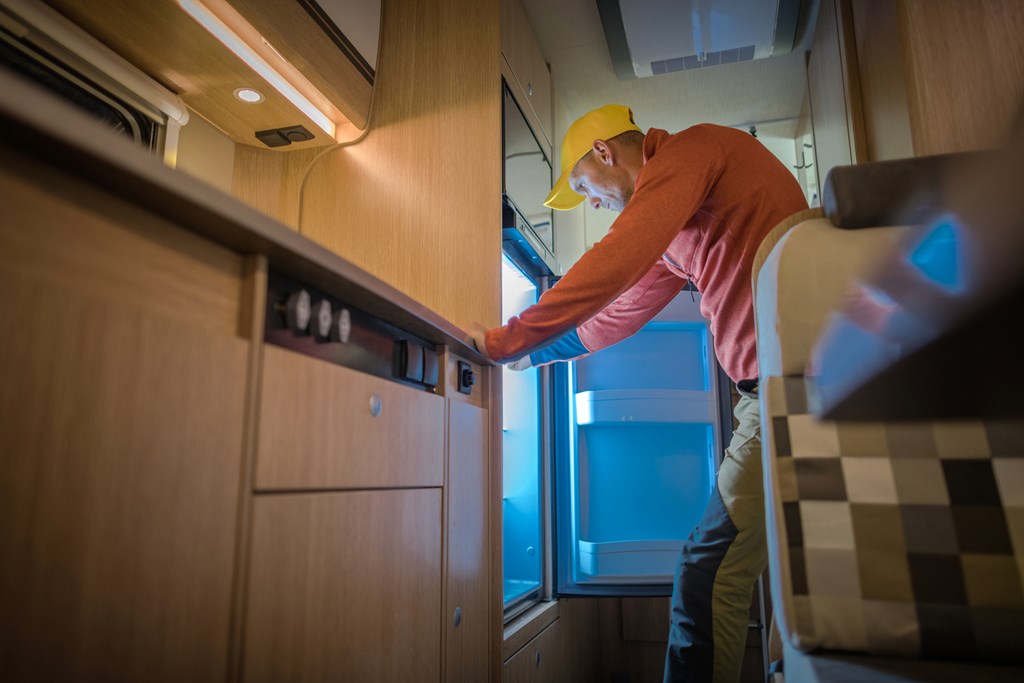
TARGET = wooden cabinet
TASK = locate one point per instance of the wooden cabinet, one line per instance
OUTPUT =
(322, 426)
(938, 76)
(180, 501)
(309, 38)
(121, 437)
(889, 80)
(539, 661)
(467, 604)
(344, 586)
(167, 42)
(526, 71)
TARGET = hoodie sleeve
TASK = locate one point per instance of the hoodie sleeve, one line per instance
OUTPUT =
(618, 320)
(670, 189)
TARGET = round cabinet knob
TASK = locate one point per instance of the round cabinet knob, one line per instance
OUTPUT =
(458, 616)
(375, 405)
(322, 320)
(297, 311)
(341, 326)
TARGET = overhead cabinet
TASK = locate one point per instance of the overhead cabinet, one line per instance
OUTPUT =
(526, 71)
(173, 42)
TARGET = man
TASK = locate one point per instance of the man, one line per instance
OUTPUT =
(694, 207)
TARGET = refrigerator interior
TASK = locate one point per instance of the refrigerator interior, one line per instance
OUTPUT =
(521, 450)
(644, 435)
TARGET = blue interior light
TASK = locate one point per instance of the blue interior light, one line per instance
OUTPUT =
(939, 256)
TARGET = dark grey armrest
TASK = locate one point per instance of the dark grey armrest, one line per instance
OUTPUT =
(898, 192)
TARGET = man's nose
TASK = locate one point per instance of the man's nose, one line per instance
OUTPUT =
(595, 202)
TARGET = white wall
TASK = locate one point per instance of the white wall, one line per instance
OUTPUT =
(206, 153)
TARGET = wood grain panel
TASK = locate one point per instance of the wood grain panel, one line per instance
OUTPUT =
(163, 41)
(466, 538)
(316, 429)
(121, 422)
(254, 301)
(527, 626)
(542, 660)
(56, 229)
(645, 619)
(344, 587)
(449, 380)
(417, 203)
(578, 620)
(883, 87)
(269, 181)
(965, 72)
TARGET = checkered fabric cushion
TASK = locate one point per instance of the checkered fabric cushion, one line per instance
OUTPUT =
(895, 538)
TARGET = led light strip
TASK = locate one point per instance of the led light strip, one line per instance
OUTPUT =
(225, 35)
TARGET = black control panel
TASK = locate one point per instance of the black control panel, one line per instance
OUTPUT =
(310, 322)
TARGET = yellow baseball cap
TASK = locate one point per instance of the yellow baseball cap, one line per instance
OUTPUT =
(601, 124)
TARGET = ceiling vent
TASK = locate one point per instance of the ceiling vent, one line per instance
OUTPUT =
(651, 37)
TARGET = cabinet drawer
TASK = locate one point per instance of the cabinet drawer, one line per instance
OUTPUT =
(541, 660)
(317, 428)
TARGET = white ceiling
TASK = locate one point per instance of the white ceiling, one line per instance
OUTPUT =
(765, 92)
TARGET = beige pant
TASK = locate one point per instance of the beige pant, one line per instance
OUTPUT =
(719, 564)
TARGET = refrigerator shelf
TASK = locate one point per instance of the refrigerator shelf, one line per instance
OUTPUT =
(634, 562)
(615, 406)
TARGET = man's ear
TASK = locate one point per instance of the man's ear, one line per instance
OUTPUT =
(604, 152)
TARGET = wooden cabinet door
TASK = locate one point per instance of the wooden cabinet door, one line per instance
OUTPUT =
(121, 427)
(344, 587)
(542, 660)
(466, 615)
(833, 84)
(533, 79)
(324, 426)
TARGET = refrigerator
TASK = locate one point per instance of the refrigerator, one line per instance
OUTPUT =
(609, 460)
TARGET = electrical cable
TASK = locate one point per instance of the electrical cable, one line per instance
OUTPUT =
(346, 143)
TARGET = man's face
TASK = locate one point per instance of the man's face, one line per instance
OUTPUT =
(603, 184)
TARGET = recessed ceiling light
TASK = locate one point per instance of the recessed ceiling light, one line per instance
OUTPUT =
(249, 95)
(247, 54)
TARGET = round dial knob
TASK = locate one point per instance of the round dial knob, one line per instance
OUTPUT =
(297, 311)
(322, 320)
(341, 326)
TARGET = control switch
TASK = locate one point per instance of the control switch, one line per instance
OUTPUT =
(411, 365)
(467, 378)
(430, 367)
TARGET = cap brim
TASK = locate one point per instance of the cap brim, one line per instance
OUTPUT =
(562, 198)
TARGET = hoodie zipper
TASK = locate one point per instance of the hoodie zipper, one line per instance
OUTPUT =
(689, 278)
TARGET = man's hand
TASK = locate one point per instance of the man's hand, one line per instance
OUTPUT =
(521, 364)
(478, 333)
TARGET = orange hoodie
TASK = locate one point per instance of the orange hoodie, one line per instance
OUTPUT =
(704, 200)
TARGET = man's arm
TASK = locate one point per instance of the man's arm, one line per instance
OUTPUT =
(617, 321)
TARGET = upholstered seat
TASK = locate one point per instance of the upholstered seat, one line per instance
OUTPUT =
(894, 547)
